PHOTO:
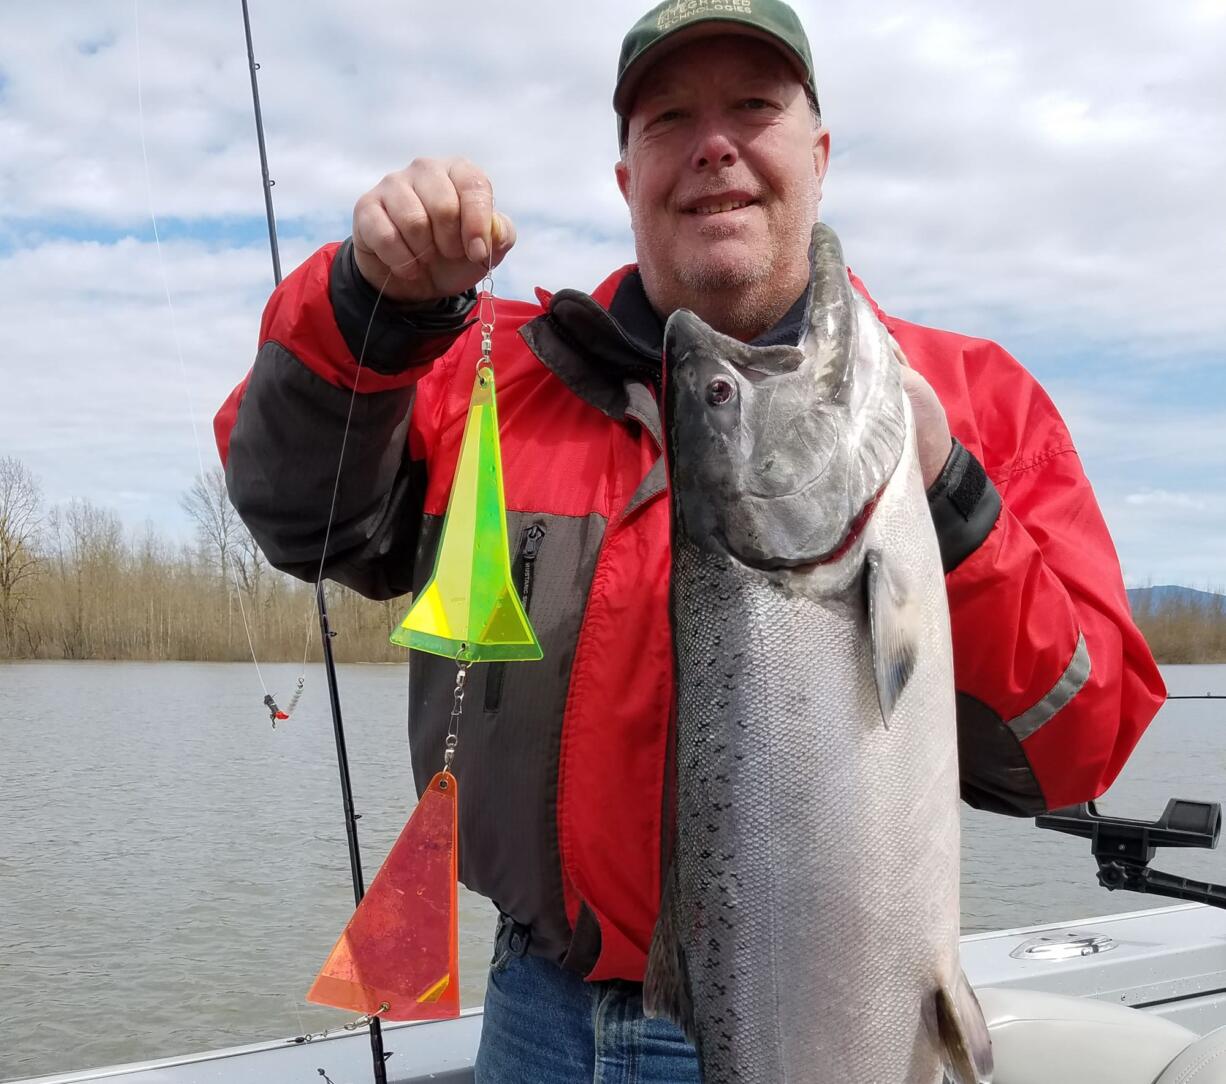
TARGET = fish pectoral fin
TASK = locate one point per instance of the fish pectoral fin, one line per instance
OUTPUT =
(894, 628)
(966, 1047)
(666, 983)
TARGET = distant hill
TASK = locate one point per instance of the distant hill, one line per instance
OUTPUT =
(1167, 594)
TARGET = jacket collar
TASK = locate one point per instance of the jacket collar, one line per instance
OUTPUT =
(607, 347)
(587, 348)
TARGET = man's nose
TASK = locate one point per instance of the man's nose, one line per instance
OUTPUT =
(713, 148)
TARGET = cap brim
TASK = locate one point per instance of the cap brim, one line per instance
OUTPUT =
(632, 77)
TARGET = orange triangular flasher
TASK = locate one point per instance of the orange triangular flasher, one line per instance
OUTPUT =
(400, 948)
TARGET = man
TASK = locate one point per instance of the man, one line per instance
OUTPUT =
(563, 762)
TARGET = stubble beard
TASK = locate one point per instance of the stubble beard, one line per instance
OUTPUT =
(735, 297)
(732, 299)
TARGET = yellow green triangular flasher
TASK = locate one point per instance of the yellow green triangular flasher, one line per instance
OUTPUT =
(469, 607)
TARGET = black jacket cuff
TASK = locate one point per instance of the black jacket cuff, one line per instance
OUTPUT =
(965, 506)
(400, 335)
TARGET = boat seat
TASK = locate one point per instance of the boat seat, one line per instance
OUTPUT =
(1204, 1062)
(1040, 1038)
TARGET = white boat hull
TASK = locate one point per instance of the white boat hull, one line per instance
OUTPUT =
(1169, 962)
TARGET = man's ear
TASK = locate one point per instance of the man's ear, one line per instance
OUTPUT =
(821, 156)
(622, 172)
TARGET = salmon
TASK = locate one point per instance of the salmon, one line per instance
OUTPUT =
(808, 930)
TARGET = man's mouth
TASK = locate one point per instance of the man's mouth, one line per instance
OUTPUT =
(718, 206)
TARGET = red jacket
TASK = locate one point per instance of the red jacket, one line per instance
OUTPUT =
(561, 763)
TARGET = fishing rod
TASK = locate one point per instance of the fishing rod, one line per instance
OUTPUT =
(1200, 696)
(326, 633)
(259, 135)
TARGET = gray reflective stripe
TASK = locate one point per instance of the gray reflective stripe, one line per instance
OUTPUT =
(1070, 684)
(281, 471)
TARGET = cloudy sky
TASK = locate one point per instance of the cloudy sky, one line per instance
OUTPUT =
(1046, 174)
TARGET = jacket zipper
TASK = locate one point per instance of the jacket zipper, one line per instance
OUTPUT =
(524, 572)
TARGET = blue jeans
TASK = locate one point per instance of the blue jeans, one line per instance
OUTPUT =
(544, 1025)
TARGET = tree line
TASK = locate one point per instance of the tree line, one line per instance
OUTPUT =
(75, 585)
(1183, 629)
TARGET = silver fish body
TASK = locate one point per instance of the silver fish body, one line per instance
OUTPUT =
(809, 927)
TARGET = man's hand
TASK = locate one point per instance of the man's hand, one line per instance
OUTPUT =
(932, 436)
(426, 232)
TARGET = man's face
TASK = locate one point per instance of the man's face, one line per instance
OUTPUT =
(722, 174)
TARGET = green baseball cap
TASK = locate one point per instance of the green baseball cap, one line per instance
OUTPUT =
(679, 21)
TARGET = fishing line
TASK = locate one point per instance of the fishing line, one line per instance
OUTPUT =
(340, 461)
(313, 613)
(174, 331)
(353, 393)
(370, 1020)
(275, 712)
(269, 701)
(371, 1017)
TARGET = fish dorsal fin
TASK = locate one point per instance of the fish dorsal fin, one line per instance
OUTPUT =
(852, 365)
(666, 984)
(830, 336)
(966, 1047)
(893, 621)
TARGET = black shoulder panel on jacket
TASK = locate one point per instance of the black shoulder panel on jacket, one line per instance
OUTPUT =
(282, 469)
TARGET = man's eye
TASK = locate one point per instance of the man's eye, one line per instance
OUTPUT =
(666, 116)
(755, 103)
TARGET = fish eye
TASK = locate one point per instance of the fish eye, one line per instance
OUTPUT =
(720, 390)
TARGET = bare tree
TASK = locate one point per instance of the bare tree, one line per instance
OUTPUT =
(249, 563)
(21, 518)
(218, 527)
(223, 536)
(91, 556)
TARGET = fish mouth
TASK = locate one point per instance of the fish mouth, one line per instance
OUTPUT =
(806, 562)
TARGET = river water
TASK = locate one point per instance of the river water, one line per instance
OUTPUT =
(173, 871)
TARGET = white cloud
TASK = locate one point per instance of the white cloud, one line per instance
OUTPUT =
(1047, 175)
(94, 393)
(1165, 498)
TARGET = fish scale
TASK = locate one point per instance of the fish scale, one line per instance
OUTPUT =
(777, 739)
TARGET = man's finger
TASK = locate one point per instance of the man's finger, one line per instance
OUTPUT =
(376, 233)
(476, 196)
(438, 196)
(411, 220)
